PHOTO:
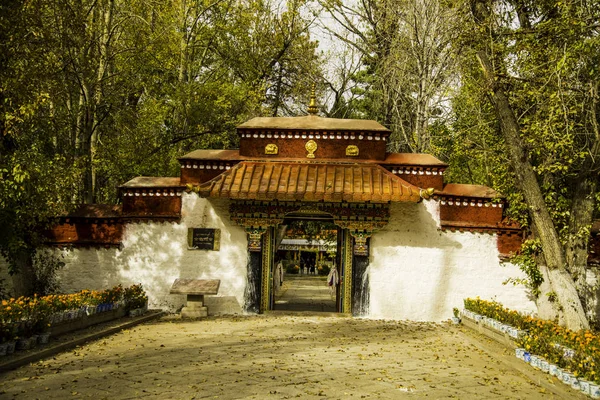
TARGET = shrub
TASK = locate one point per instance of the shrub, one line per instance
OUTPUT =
(323, 269)
(578, 352)
(25, 316)
(292, 269)
(495, 310)
(46, 265)
(135, 297)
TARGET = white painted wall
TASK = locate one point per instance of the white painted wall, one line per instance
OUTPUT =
(592, 275)
(155, 254)
(418, 272)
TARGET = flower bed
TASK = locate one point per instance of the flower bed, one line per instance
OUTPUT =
(26, 320)
(574, 357)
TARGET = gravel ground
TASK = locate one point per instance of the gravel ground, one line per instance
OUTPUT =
(277, 356)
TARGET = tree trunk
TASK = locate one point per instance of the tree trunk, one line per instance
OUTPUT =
(278, 90)
(183, 45)
(105, 39)
(582, 207)
(24, 277)
(572, 312)
(582, 212)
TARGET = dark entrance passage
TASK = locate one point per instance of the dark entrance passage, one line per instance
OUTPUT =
(305, 255)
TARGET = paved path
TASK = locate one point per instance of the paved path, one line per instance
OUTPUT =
(304, 293)
(278, 356)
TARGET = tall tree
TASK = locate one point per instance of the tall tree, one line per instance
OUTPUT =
(406, 47)
(36, 178)
(537, 69)
(94, 92)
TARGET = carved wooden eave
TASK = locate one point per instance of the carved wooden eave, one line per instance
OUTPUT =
(89, 226)
(84, 245)
(469, 195)
(256, 216)
(152, 198)
(150, 186)
(498, 228)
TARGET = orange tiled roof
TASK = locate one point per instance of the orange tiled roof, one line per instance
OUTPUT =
(310, 182)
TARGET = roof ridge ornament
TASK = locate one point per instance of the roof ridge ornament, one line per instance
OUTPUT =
(426, 193)
(312, 106)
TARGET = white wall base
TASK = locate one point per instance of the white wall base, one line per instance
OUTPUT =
(418, 272)
(155, 254)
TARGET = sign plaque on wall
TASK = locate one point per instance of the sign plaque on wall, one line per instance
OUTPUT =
(204, 239)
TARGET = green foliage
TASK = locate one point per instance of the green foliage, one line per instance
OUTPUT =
(545, 58)
(576, 351)
(323, 269)
(407, 66)
(135, 297)
(552, 296)
(495, 310)
(526, 260)
(46, 265)
(315, 230)
(292, 269)
(93, 93)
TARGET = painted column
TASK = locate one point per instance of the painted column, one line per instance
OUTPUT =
(257, 293)
(356, 282)
(346, 274)
(360, 285)
(360, 275)
(267, 263)
(252, 294)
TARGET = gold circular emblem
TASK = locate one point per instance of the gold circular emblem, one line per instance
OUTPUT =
(311, 147)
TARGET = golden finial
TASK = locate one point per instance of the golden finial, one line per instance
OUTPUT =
(312, 107)
(426, 193)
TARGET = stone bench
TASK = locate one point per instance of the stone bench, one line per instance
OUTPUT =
(195, 289)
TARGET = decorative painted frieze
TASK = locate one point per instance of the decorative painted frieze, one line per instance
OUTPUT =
(409, 170)
(271, 149)
(311, 147)
(151, 192)
(276, 210)
(370, 136)
(352, 151)
(360, 245)
(211, 165)
(468, 202)
(361, 219)
(255, 240)
(361, 231)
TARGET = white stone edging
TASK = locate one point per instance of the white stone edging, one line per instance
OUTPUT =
(590, 389)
